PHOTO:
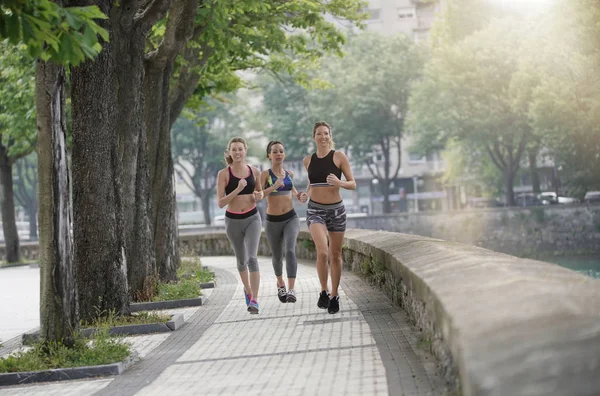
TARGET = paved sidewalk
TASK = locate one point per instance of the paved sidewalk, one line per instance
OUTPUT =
(296, 349)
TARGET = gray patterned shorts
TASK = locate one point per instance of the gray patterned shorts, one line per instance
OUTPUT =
(332, 216)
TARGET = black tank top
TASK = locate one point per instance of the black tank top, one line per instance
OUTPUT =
(234, 180)
(320, 168)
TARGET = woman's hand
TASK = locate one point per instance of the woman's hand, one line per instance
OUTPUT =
(302, 196)
(278, 183)
(258, 195)
(241, 184)
(333, 180)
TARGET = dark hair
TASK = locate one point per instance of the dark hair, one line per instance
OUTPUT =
(228, 158)
(271, 144)
(323, 123)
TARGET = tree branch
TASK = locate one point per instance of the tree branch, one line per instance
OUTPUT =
(188, 80)
(520, 150)
(398, 165)
(499, 156)
(493, 157)
(152, 11)
(375, 172)
(190, 186)
(179, 30)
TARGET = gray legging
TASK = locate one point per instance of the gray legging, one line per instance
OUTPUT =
(244, 235)
(280, 234)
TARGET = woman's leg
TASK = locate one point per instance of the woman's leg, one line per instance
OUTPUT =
(274, 233)
(336, 239)
(235, 234)
(319, 236)
(290, 234)
(252, 239)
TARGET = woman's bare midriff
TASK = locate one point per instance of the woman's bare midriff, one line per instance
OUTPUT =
(279, 204)
(241, 203)
(325, 195)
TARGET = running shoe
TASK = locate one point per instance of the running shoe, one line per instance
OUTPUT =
(323, 302)
(282, 294)
(291, 296)
(253, 308)
(248, 297)
(334, 305)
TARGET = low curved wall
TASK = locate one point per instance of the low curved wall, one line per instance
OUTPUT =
(499, 325)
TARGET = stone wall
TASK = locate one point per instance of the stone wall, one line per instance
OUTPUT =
(534, 232)
(499, 325)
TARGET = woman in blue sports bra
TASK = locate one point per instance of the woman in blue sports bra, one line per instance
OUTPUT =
(282, 224)
(238, 190)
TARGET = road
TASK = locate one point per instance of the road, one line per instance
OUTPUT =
(20, 300)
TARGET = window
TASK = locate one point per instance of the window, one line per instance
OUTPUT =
(405, 13)
(373, 13)
(416, 157)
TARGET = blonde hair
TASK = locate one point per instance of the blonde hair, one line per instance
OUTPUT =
(323, 123)
(228, 158)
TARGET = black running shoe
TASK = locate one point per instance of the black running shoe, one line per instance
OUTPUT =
(282, 294)
(323, 302)
(334, 305)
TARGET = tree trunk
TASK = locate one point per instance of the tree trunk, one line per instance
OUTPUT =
(161, 170)
(58, 298)
(129, 40)
(7, 201)
(32, 213)
(97, 210)
(159, 67)
(509, 176)
(206, 207)
(535, 176)
(385, 190)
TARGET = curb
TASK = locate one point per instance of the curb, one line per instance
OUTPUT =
(152, 306)
(207, 285)
(175, 323)
(105, 370)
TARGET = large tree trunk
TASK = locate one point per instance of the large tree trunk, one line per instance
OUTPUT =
(535, 176)
(58, 298)
(161, 170)
(7, 201)
(159, 66)
(129, 40)
(98, 223)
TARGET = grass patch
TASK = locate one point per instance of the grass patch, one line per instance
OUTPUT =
(112, 320)
(101, 349)
(190, 274)
(192, 268)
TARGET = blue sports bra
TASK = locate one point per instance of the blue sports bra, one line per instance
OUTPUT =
(288, 184)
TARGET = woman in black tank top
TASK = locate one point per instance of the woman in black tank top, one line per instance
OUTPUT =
(238, 190)
(326, 215)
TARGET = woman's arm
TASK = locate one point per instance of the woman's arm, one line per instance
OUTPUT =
(344, 165)
(258, 190)
(222, 199)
